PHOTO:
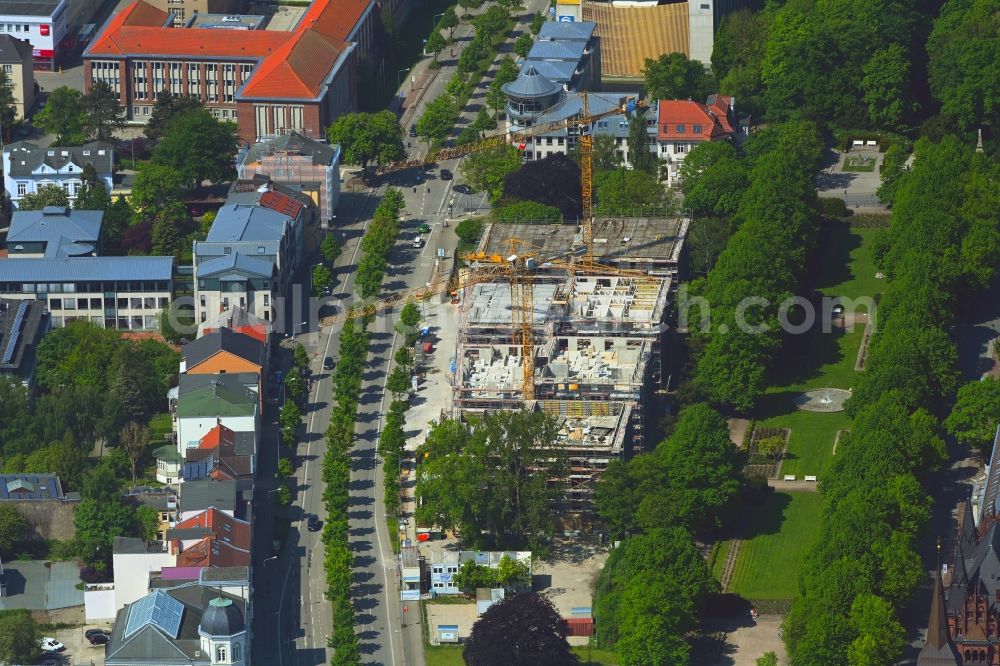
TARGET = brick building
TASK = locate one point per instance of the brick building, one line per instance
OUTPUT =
(269, 82)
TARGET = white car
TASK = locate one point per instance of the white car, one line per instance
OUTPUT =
(418, 242)
(52, 645)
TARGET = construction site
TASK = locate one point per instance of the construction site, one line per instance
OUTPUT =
(597, 344)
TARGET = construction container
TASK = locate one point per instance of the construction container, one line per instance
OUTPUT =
(580, 626)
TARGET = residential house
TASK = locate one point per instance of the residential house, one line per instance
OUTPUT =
(15, 57)
(268, 81)
(190, 624)
(211, 539)
(161, 500)
(300, 162)
(23, 324)
(248, 259)
(683, 124)
(169, 464)
(54, 232)
(222, 454)
(113, 292)
(288, 200)
(28, 166)
(205, 401)
(225, 351)
(230, 497)
(446, 563)
(533, 99)
(133, 560)
(410, 573)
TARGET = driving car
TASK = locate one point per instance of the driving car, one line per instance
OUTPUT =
(446, 174)
(328, 363)
(99, 639)
(424, 228)
(461, 189)
(52, 645)
(413, 130)
(314, 523)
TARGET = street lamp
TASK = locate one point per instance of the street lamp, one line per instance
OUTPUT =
(399, 76)
(434, 21)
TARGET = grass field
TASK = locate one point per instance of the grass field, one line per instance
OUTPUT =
(779, 533)
(439, 655)
(859, 164)
(720, 559)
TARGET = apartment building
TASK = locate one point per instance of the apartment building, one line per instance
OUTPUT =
(16, 60)
(28, 166)
(54, 28)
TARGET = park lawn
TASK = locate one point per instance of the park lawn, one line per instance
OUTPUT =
(779, 534)
(721, 552)
(441, 655)
(810, 447)
(853, 275)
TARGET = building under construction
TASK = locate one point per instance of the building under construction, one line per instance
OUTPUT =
(598, 342)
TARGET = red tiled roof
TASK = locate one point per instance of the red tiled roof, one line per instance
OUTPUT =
(228, 545)
(216, 436)
(256, 331)
(719, 105)
(281, 203)
(294, 65)
(687, 119)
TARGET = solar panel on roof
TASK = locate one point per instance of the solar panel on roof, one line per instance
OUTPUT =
(15, 332)
(159, 609)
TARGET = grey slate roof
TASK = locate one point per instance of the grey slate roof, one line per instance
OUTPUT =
(25, 156)
(557, 71)
(572, 105)
(232, 381)
(530, 83)
(90, 269)
(200, 495)
(65, 232)
(235, 266)
(32, 327)
(227, 340)
(28, 7)
(561, 50)
(13, 50)
(583, 30)
(322, 153)
(247, 223)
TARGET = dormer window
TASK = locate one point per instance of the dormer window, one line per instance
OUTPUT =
(51, 153)
(101, 152)
(680, 129)
(697, 129)
(65, 153)
(86, 153)
(69, 168)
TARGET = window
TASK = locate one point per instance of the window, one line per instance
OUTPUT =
(55, 304)
(267, 300)
(680, 148)
(8, 69)
(236, 652)
(680, 129)
(22, 189)
(221, 653)
(697, 129)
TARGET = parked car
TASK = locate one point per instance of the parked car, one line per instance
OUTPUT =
(418, 242)
(413, 130)
(52, 645)
(328, 363)
(314, 523)
(99, 639)
(49, 659)
(446, 174)
(91, 632)
(424, 228)
(462, 189)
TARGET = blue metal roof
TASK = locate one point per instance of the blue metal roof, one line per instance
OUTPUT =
(236, 222)
(559, 71)
(65, 232)
(583, 30)
(530, 83)
(562, 50)
(91, 269)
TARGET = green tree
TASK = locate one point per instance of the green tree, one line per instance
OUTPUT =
(398, 382)
(14, 528)
(103, 115)
(435, 43)
(155, 186)
(134, 440)
(438, 118)
(171, 221)
(289, 418)
(529, 212)
(523, 44)
(300, 357)
(448, 21)
(198, 147)
(487, 170)
(93, 195)
(886, 87)
(976, 414)
(706, 238)
(321, 279)
(46, 195)
(674, 76)
(605, 155)
(117, 217)
(403, 357)
(295, 386)
(368, 137)
(285, 469)
(768, 659)
(410, 315)
(630, 192)
(147, 523)
(500, 489)
(167, 107)
(19, 636)
(8, 108)
(880, 636)
(330, 249)
(638, 146)
(537, 22)
(65, 116)
(457, 86)
(506, 73)
(98, 523)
